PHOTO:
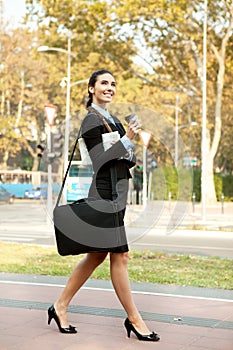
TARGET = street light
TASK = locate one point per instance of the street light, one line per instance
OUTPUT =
(65, 82)
(50, 111)
(204, 122)
(145, 137)
(69, 54)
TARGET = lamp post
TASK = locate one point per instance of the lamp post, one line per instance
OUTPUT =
(203, 143)
(69, 55)
(176, 130)
(50, 111)
(65, 82)
(145, 137)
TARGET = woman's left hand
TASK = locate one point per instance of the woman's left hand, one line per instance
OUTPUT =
(134, 128)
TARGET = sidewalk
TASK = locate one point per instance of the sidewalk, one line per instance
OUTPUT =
(181, 215)
(186, 318)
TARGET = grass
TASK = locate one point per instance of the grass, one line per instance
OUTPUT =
(144, 266)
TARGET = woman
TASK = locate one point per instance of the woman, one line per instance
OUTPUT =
(101, 90)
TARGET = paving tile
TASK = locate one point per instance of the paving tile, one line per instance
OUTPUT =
(215, 343)
(24, 328)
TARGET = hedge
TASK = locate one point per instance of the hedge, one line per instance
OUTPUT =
(165, 183)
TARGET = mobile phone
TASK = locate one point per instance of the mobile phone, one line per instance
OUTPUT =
(130, 117)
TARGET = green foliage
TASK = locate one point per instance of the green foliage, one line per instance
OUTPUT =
(218, 186)
(26, 162)
(159, 187)
(165, 180)
(197, 184)
(171, 177)
(227, 187)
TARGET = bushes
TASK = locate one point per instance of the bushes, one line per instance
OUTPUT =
(227, 187)
(197, 184)
(165, 181)
(218, 186)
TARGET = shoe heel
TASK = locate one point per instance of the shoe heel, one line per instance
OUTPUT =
(49, 320)
(49, 317)
(128, 327)
(128, 332)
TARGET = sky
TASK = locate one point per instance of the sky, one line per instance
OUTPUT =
(13, 10)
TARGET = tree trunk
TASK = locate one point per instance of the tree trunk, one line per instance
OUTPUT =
(210, 192)
(220, 56)
(5, 157)
(35, 164)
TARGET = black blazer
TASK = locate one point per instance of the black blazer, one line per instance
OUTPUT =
(92, 129)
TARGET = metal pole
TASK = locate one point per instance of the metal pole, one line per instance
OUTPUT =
(149, 185)
(144, 186)
(49, 190)
(204, 156)
(67, 121)
(176, 131)
(222, 200)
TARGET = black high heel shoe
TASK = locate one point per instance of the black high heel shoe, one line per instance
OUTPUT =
(53, 315)
(149, 337)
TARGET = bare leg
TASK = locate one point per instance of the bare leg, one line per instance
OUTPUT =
(78, 277)
(120, 280)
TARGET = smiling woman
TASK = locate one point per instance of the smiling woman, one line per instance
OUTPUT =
(110, 179)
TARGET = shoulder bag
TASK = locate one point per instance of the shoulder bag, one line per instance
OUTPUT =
(88, 225)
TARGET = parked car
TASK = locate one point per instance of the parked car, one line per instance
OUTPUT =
(6, 196)
(35, 193)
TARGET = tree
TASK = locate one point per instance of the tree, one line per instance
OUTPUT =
(173, 37)
(23, 93)
(167, 34)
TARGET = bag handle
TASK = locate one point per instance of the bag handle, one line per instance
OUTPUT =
(112, 168)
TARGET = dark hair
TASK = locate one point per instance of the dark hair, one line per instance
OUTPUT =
(92, 81)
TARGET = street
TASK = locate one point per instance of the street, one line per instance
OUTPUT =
(25, 222)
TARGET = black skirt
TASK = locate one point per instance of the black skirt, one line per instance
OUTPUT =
(101, 188)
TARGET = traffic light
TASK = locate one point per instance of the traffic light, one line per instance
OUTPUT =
(57, 144)
(41, 149)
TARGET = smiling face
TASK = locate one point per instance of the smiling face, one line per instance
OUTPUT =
(104, 90)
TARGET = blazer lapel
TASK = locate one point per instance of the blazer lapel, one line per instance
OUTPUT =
(118, 126)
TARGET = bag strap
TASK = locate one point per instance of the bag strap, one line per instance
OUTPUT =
(67, 170)
(112, 168)
(93, 110)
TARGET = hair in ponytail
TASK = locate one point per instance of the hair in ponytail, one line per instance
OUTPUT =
(92, 81)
